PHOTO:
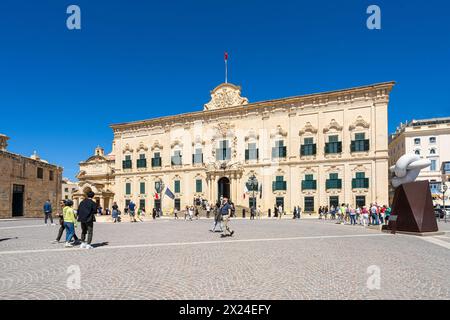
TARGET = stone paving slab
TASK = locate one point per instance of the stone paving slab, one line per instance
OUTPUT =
(167, 259)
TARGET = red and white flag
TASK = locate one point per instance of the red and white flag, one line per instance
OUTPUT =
(156, 196)
(226, 56)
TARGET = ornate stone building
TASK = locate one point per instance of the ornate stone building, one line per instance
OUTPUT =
(26, 183)
(97, 175)
(317, 149)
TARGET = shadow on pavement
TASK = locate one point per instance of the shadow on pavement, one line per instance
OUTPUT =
(100, 244)
(4, 239)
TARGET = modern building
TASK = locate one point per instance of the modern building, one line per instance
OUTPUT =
(26, 183)
(317, 149)
(68, 188)
(428, 138)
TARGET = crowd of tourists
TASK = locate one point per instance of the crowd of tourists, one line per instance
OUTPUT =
(373, 214)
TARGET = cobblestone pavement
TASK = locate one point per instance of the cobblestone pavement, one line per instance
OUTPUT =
(265, 259)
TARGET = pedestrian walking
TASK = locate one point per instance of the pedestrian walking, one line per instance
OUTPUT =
(252, 213)
(115, 212)
(365, 216)
(61, 224)
(225, 211)
(69, 222)
(352, 213)
(280, 211)
(131, 211)
(48, 212)
(86, 215)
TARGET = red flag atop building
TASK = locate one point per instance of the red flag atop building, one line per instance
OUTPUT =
(226, 56)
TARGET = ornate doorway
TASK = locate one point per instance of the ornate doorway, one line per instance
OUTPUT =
(223, 188)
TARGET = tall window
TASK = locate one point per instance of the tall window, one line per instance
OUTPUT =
(40, 173)
(333, 145)
(177, 186)
(309, 204)
(177, 204)
(127, 188)
(278, 184)
(360, 201)
(197, 157)
(360, 143)
(126, 164)
(309, 183)
(252, 153)
(334, 201)
(142, 162)
(198, 185)
(279, 151)
(360, 181)
(142, 187)
(334, 182)
(308, 148)
(224, 151)
(156, 160)
(433, 165)
(176, 158)
(51, 176)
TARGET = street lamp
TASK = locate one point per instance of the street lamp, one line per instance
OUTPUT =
(444, 190)
(253, 183)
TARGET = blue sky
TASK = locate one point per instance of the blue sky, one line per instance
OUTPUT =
(60, 89)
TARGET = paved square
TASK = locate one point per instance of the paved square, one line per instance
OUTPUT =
(266, 259)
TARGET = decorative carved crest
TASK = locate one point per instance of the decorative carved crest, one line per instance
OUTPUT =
(176, 142)
(225, 95)
(278, 131)
(142, 147)
(360, 122)
(198, 140)
(156, 145)
(333, 125)
(307, 128)
(252, 135)
(359, 168)
(127, 148)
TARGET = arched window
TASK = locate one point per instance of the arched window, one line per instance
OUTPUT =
(417, 152)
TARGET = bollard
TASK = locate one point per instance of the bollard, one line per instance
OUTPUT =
(268, 213)
(243, 213)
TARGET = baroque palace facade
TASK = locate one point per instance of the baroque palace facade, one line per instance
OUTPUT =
(312, 150)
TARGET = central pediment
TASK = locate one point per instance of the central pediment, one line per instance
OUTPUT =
(225, 95)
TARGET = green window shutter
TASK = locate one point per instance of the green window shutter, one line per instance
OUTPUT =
(127, 188)
(360, 136)
(142, 187)
(339, 147)
(177, 186)
(309, 177)
(366, 145)
(246, 154)
(198, 185)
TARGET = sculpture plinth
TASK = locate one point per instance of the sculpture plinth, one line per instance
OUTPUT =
(413, 207)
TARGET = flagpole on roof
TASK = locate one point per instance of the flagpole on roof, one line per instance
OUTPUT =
(226, 67)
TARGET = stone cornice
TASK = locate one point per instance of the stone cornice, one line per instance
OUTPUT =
(376, 92)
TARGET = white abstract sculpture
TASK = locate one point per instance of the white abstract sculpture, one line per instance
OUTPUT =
(407, 168)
